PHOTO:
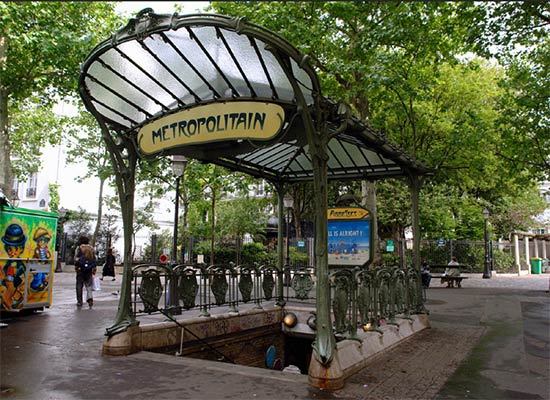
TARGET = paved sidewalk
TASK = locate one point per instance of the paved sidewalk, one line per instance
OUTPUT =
(490, 340)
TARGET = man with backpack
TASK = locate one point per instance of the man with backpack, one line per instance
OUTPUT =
(85, 267)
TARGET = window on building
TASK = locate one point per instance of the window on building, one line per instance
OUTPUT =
(260, 189)
(31, 185)
(15, 189)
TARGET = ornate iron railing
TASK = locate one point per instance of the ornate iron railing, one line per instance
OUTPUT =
(201, 287)
(360, 297)
(368, 298)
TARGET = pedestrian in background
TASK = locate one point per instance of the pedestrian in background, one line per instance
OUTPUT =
(425, 274)
(109, 266)
(85, 267)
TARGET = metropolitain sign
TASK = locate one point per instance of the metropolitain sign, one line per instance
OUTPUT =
(212, 123)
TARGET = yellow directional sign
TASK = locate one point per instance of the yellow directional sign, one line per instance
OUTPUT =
(347, 213)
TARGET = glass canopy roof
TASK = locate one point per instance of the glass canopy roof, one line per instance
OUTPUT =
(162, 64)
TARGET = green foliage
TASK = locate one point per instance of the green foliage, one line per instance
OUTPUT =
(515, 212)
(34, 126)
(164, 241)
(524, 107)
(392, 259)
(41, 47)
(298, 258)
(85, 145)
(53, 189)
(402, 66)
(253, 253)
(241, 215)
(47, 41)
(78, 222)
(503, 262)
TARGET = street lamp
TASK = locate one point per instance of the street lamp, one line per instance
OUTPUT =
(288, 202)
(178, 168)
(62, 213)
(486, 269)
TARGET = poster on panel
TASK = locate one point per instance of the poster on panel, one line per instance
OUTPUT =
(27, 257)
(349, 236)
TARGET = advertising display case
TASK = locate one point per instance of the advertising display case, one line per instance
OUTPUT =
(27, 258)
(349, 237)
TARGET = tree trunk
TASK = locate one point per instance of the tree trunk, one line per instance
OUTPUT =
(5, 149)
(299, 199)
(185, 204)
(99, 210)
(213, 224)
(5, 163)
(368, 200)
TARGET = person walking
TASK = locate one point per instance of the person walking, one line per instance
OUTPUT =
(109, 266)
(85, 267)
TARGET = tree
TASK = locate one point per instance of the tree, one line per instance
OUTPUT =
(85, 144)
(212, 181)
(524, 111)
(108, 233)
(41, 46)
(242, 215)
(33, 127)
(402, 68)
(363, 49)
(143, 216)
(78, 222)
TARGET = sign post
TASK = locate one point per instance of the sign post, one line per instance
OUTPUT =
(349, 236)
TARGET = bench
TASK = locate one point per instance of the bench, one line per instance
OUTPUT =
(450, 280)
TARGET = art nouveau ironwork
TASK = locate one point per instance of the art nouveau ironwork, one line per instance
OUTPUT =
(163, 83)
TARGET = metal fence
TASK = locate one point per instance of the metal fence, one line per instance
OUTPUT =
(359, 297)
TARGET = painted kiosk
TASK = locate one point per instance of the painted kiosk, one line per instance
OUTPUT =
(27, 258)
(228, 92)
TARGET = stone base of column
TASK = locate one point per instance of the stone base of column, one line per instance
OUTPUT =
(123, 343)
(328, 377)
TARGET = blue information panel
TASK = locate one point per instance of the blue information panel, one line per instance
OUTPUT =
(349, 242)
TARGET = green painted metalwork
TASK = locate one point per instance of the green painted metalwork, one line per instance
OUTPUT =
(203, 290)
(302, 284)
(364, 296)
(268, 283)
(120, 124)
(340, 303)
(219, 285)
(398, 276)
(188, 288)
(387, 295)
(150, 290)
(280, 256)
(245, 284)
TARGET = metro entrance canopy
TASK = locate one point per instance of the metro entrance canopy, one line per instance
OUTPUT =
(224, 91)
(161, 64)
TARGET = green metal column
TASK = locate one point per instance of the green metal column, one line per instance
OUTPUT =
(280, 262)
(124, 160)
(415, 183)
